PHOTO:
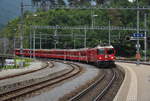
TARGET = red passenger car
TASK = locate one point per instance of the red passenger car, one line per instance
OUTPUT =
(100, 55)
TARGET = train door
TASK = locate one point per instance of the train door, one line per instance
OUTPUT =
(92, 54)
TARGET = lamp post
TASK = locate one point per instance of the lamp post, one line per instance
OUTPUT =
(109, 34)
(55, 36)
(93, 3)
(93, 20)
(32, 39)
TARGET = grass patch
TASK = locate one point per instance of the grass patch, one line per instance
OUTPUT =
(9, 67)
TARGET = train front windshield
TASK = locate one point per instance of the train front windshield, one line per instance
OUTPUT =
(110, 51)
(101, 51)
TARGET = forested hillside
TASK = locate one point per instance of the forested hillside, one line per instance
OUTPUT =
(61, 17)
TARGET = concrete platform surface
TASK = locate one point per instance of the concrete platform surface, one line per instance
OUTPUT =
(38, 74)
(136, 85)
(33, 66)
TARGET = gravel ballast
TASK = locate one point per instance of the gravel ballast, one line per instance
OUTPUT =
(58, 92)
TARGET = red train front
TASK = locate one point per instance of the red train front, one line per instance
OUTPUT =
(105, 55)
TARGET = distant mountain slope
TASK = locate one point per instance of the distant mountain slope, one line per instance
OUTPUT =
(9, 9)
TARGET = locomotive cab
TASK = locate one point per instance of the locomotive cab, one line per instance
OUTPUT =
(105, 55)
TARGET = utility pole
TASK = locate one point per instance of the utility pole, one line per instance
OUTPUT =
(109, 34)
(92, 18)
(138, 43)
(55, 35)
(85, 37)
(40, 42)
(145, 37)
(21, 34)
(34, 44)
(14, 46)
(73, 38)
(22, 30)
(30, 43)
(119, 36)
(74, 41)
(14, 51)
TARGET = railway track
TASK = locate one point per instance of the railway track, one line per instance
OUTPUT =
(100, 88)
(18, 80)
(44, 82)
(104, 91)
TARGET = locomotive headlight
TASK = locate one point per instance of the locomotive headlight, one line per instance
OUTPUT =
(112, 57)
(100, 58)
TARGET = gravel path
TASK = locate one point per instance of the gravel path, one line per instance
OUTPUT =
(56, 93)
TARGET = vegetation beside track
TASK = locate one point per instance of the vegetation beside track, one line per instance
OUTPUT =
(17, 61)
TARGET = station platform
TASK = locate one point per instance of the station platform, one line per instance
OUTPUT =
(20, 81)
(33, 66)
(136, 85)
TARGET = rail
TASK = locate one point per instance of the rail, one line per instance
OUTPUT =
(42, 83)
(106, 88)
(75, 98)
(101, 87)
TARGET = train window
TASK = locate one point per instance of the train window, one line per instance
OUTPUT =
(17, 50)
(110, 51)
(31, 51)
(101, 51)
(83, 53)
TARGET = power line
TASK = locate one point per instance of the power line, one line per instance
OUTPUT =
(59, 35)
(89, 28)
(98, 7)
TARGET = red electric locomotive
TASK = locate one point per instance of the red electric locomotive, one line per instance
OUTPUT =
(100, 55)
(105, 55)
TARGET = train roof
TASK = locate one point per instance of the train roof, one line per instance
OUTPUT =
(80, 49)
(110, 46)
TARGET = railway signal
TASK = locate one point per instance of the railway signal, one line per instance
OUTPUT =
(138, 46)
(127, 38)
(148, 38)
